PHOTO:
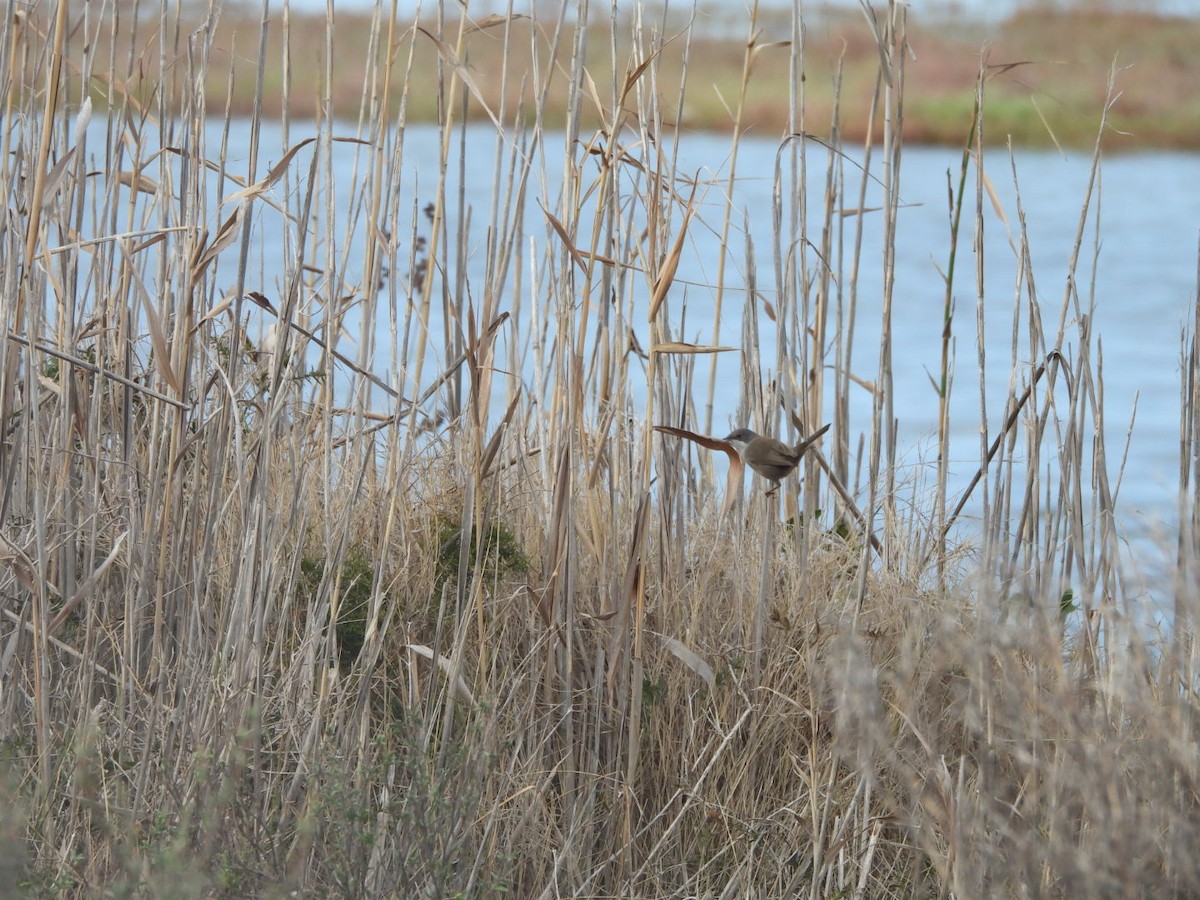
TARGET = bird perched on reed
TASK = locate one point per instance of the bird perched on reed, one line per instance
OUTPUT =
(772, 459)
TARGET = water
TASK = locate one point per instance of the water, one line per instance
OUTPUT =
(1138, 255)
(1141, 267)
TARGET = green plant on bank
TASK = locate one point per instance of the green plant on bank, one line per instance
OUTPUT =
(354, 582)
(254, 364)
(52, 368)
(502, 553)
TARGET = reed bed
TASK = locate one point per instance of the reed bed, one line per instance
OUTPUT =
(363, 570)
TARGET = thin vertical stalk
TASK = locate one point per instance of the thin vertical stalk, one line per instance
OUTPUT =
(752, 50)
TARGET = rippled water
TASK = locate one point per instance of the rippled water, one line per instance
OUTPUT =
(1141, 267)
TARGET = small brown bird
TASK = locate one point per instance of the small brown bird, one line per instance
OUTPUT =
(772, 459)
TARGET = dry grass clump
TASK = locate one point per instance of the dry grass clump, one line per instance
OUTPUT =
(342, 556)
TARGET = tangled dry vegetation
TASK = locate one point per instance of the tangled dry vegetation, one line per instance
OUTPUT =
(353, 565)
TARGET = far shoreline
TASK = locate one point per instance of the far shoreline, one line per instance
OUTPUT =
(1034, 93)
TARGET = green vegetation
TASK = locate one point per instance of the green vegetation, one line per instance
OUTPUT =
(327, 580)
(354, 583)
(502, 554)
(1048, 70)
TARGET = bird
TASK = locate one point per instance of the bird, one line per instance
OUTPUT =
(772, 459)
